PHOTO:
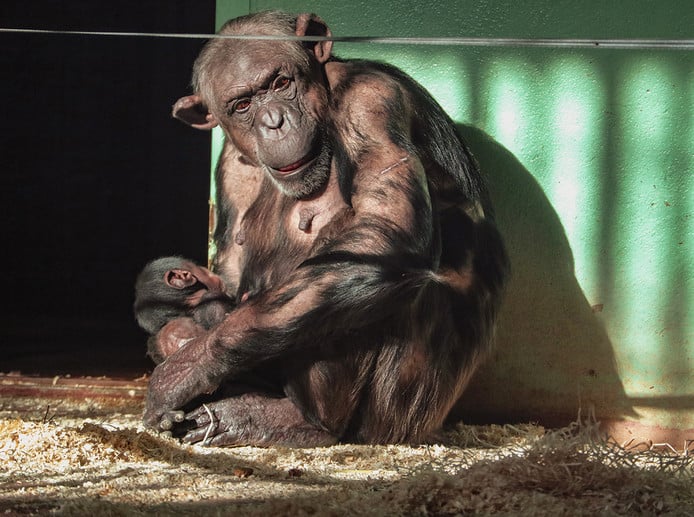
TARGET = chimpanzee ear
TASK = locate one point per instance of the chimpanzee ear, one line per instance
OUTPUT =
(308, 24)
(179, 278)
(192, 111)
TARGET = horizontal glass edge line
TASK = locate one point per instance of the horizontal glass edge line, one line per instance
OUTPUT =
(686, 44)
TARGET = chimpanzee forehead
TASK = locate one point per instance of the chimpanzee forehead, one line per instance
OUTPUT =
(252, 65)
(245, 77)
(257, 52)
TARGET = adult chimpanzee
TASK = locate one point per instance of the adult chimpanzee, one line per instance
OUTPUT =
(173, 297)
(354, 227)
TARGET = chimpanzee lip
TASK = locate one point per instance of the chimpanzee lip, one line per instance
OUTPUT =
(287, 170)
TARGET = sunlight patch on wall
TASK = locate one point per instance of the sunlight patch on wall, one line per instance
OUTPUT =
(643, 264)
(576, 105)
(508, 111)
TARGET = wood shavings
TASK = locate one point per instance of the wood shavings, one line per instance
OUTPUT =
(87, 460)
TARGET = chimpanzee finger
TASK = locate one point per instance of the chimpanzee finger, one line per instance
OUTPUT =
(201, 415)
(170, 418)
(202, 424)
(199, 435)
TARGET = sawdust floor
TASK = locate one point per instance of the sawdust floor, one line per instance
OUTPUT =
(94, 458)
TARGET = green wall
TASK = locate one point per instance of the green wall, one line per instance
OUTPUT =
(589, 154)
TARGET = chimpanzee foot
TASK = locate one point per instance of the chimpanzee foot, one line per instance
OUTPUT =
(250, 419)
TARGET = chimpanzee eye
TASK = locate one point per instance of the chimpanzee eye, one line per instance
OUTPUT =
(281, 83)
(241, 106)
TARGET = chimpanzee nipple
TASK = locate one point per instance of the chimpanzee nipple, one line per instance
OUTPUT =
(306, 216)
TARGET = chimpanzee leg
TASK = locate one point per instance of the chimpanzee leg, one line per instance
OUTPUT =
(422, 371)
(396, 382)
(253, 419)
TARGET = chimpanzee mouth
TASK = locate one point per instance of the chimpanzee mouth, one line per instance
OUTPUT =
(287, 170)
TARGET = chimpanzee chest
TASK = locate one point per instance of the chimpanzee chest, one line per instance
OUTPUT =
(298, 229)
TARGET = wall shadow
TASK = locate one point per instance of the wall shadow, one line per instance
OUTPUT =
(552, 358)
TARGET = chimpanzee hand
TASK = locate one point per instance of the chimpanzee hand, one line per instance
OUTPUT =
(175, 382)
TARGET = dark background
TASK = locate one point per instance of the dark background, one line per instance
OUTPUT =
(97, 178)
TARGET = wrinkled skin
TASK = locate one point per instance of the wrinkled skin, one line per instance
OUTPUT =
(355, 234)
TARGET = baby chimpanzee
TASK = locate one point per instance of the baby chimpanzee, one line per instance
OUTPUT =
(175, 301)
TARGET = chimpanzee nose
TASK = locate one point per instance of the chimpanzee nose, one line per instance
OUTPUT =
(272, 118)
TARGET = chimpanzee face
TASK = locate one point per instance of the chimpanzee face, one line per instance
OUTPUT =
(273, 108)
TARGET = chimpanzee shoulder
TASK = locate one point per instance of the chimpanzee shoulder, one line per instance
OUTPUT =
(432, 136)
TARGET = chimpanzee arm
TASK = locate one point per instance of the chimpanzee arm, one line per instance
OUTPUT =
(379, 261)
